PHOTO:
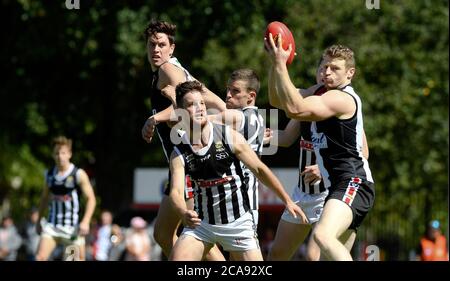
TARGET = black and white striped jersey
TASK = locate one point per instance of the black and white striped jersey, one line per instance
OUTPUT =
(338, 146)
(307, 156)
(252, 128)
(220, 187)
(64, 204)
(159, 103)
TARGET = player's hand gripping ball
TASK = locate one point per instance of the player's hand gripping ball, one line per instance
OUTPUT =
(278, 28)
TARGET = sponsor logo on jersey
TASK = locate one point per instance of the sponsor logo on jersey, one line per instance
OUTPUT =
(319, 140)
(221, 155)
(215, 182)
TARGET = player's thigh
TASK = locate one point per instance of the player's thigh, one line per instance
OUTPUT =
(167, 219)
(288, 238)
(46, 246)
(249, 255)
(189, 248)
(335, 220)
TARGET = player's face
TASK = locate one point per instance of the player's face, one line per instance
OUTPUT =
(195, 105)
(335, 73)
(62, 155)
(237, 95)
(159, 49)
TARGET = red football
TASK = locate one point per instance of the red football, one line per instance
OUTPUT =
(276, 28)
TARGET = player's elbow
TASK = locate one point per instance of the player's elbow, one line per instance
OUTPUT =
(292, 113)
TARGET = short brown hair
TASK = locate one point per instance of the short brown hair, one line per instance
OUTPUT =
(186, 87)
(247, 75)
(160, 27)
(341, 52)
(62, 140)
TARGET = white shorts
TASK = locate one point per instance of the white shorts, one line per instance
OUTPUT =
(67, 235)
(255, 217)
(239, 235)
(311, 204)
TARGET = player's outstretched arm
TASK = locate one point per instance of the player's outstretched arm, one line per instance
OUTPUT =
(189, 217)
(289, 135)
(231, 117)
(245, 154)
(312, 108)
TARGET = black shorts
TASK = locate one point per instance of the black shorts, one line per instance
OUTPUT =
(358, 194)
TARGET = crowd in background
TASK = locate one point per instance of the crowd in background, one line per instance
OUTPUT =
(109, 241)
(106, 241)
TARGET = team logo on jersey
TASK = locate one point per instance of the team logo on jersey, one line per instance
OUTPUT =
(221, 155)
(319, 140)
(70, 182)
(219, 146)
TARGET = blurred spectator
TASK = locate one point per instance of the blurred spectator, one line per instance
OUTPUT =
(102, 243)
(10, 240)
(117, 249)
(138, 241)
(433, 245)
(30, 236)
(91, 238)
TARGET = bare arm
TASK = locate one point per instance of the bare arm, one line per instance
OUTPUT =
(365, 148)
(189, 217)
(169, 75)
(88, 193)
(290, 134)
(230, 117)
(312, 108)
(213, 101)
(245, 154)
(273, 95)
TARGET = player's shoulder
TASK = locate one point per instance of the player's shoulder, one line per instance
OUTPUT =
(80, 173)
(169, 72)
(336, 94)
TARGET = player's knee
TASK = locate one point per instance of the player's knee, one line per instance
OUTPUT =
(321, 237)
